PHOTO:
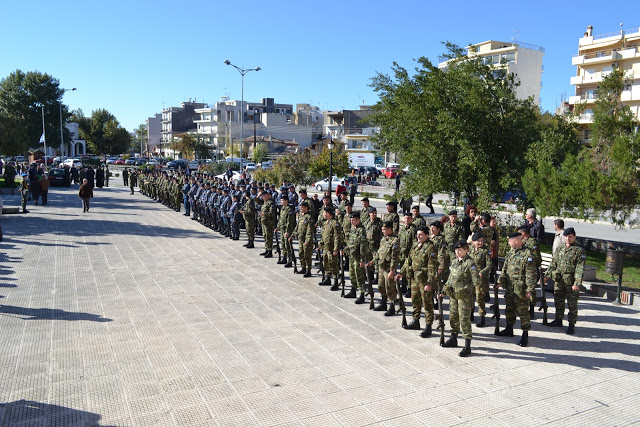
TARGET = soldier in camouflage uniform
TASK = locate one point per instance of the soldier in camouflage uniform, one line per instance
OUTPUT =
(459, 288)
(518, 280)
(286, 225)
(532, 245)
(387, 258)
(374, 235)
(268, 217)
(406, 239)
(566, 270)
(304, 232)
(482, 260)
(443, 252)
(392, 215)
(421, 266)
(481, 225)
(342, 207)
(357, 247)
(453, 232)
(418, 220)
(364, 213)
(331, 244)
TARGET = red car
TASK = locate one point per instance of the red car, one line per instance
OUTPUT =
(119, 162)
(49, 160)
(390, 173)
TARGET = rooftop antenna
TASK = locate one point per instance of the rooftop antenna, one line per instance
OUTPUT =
(516, 33)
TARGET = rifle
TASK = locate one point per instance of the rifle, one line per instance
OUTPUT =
(440, 312)
(293, 256)
(369, 286)
(496, 306)
(543, 299)
(341, 260)
(402, 306)
(321, 270)
(275, 236)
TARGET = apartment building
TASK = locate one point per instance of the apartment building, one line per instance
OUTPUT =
(523, 60)
(597, 56)
(177, 120)
(349, 127)
(154, 132)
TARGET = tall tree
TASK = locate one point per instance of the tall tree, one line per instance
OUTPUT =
(103, 132)
(458, 128)
(22, 96)
(319, 165)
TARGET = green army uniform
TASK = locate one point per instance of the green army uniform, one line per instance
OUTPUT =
(395, 219)
(463, 277)
(364, 217)
(249, 215)
(421, 267)
(304, 233)
(24, 192)
(406, 239)
(357, 247)
(342, 208)
(487, 234)
(566, 270)
(419, 222)
(107, 174)
(331, 241)
(452, 234)
(443, 255)
(374, 235)
(532, 244)
(387, 258)
(286, 224)
(482, 259)
(268, 222)
(518, 277)
(312, 207)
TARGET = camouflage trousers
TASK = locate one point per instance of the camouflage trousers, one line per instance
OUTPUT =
(516, 304)
(460, 306)
(250, 227)
(284, 244)
(562, 291)
(356, 274)
(305, 253)
(419, 297)
(330, 262)
(481, 291)
(386, 286)
(267, 233)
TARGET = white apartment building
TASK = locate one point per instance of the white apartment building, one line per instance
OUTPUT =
(154, 132)
(523, 60)
(348, 127)
(597, 56)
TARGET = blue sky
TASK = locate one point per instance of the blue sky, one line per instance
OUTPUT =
(133, 57)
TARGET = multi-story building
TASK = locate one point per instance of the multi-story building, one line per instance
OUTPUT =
(310, 115)
(523, 60)
(597, 56)
(154, 132)
(348, 127)
(177, 120)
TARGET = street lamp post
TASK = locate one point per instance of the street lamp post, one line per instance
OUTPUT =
(330, 145)
(242, 72)
(61, 132)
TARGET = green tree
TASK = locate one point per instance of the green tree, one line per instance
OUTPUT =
(599, 180)
(291, 168)
(260, 153)
(319, 165)
(103, 132)
(460, 128)
(22, 96)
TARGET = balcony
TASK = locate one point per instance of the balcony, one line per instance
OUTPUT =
(587, 98)
(600, 56)
(585, 118)
(628, 95)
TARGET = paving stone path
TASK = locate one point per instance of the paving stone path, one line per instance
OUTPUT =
(134, 315)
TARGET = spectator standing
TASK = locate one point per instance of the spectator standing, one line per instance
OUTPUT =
(24, 191)
(36, 187)
(100, 177)
(1, 166)
(429, 202)
(91, 175)
(340, 188)
(398, 182)
(559, 239)
(44, 188)
(353, 190)
(75, 175)
(536, 229)
(85, 193)
(125, 177)
(469, 217)
(107, 174)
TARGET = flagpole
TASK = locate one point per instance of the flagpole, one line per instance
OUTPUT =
(44, 140)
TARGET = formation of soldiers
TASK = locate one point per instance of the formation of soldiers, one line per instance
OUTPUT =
(416, 260)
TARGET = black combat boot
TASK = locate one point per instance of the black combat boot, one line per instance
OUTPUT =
(471, 317)
(288, 265)
(557, 322)
(360, 299)
(325, 282)
(467, 348)
(302, 271)
(263, 253)
(307, 273)
(382, 306)
(352, 294)
(269, 254)
(426, 332)
(246, 244)
(571, 329)
(506, 332)
(525, 339)
(453, 341)
(250, 244)
(414, 325)
(532, 311)
(480, 323)
(392, 310)
(335, 286)
(283, 260)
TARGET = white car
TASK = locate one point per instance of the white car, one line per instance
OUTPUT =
(236, 176)
(73, 162)
(251, 166)
(324, 184)
(153, 162)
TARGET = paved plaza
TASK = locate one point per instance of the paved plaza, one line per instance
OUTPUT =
(134, 315)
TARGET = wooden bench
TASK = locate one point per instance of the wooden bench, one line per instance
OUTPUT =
(589, 270)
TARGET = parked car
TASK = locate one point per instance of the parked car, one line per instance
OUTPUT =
(391, 172)
(194, 165)
(119, 162)
(266, 165)
(58, 177)
(368, 171)
(235, 177)
(73, 162)
(323, 184)
(177, 164)
(251, 166)
(111, 160)
(130, 161)
(153, 162)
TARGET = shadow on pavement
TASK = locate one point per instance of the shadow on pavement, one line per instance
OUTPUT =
(30, 413)
(50, 314)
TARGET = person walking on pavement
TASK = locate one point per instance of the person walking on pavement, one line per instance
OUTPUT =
(44, 188)
(24, 191)
(85, 193)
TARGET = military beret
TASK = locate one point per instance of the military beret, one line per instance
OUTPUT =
(292, 186)
(436, 224)
(372, 209)
(453, 212)
(415, 207)
(225, 190)
(247, 193)
(486, 216)
(283, 188)
(568, 231)
(303, 191)
(476, 237)
(348, 204)
(284, 199)
(523, 228)
(460, 244)
(514, 235)
(344, 192)
(365, 199)
(326, 197)
(392, 203)
(272, 186)
(408, 215)
(388, 224)
(304, 204)
(330, 210)
(355, 215)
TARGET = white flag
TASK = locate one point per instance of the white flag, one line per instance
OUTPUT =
(42, 139)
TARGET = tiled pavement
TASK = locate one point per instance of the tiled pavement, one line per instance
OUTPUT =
(134, 315)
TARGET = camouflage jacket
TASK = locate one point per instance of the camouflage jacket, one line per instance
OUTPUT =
(388, 255)
(305, 228)
(421, 263)
(519, 271)
(568, 260)
(287, 220)
(406, 237)
(395, 219)
(453, 233)
(374, 233)
(532, 244)
(482, 260)
(443, 252)
(269, 212)
(357, 244)
(419, 222)
(331, 235)
(463, 276)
